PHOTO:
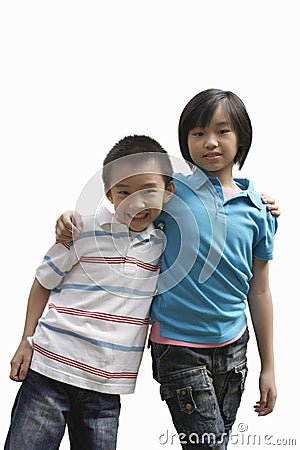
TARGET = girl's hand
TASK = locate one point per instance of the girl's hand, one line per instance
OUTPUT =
(68, 227)
(268, 394)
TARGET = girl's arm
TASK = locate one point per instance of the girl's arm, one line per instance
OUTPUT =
(37, 301)
(261, 310)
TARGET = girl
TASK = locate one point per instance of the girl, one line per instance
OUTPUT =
(199, 333)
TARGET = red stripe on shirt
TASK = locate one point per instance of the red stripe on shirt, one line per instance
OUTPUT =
(119, 260)
(81, 366)
(100, 315)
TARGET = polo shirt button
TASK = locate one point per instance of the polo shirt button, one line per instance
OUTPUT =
(188, 406)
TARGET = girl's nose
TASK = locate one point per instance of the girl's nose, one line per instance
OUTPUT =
(211, 142)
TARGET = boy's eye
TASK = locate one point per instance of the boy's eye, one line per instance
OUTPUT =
(150, 191)
(123, 192)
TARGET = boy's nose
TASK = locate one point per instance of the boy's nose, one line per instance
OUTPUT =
(136, 203)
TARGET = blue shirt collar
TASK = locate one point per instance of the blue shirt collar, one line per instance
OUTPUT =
(199, 178)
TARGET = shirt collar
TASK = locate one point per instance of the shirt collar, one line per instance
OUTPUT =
(199, 178)
(248, 189)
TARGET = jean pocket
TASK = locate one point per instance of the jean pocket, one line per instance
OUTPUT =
(235, 387)
(192, 402)
(159, 351)
(192, 390)
(241, 372)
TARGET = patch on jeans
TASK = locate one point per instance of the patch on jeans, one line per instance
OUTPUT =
(186, 399)
(191, 390)
(192, 402)
(196, 377)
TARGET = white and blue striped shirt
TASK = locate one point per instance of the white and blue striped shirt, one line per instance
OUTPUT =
(102, 285)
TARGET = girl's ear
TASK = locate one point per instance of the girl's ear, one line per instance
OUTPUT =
(109, 196)
(170, 189)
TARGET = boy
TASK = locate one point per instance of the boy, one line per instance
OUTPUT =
(88, 347)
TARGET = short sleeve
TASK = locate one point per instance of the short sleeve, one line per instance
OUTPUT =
(57, 263)
(264, 246)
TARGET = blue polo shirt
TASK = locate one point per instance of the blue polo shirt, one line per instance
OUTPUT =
(207, 262)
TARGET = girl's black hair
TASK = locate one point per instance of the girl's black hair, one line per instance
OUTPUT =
(199, 111)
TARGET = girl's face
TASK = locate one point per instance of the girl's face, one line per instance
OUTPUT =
(214, 147)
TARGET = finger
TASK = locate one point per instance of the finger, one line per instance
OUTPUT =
(269, 404)
(23, 370)
(267, 199)
(274, 208)
(265, 407)
(14, 371)
(65, 222)
(63, 234)
(77, 221)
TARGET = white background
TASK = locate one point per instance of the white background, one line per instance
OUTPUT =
(75, 77)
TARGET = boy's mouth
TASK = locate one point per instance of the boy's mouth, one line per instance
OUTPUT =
(139, 217)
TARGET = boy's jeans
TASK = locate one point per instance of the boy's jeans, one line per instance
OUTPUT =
(202, 388)
(44, 406)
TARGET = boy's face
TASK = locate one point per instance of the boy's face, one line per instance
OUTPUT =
(138, 193)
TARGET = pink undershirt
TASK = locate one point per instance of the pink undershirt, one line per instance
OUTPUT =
(155, 328)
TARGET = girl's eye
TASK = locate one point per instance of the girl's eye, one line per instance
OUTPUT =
(198, 133)
(224, 131)
(123, 192)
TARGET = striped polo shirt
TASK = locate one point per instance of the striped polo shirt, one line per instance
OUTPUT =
(102, 284)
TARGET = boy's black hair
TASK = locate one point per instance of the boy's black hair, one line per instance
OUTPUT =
(199, 111)
(145, 148)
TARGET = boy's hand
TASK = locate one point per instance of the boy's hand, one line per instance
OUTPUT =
(272, 207)
(68, 227)
(21, 361)
(268, 395)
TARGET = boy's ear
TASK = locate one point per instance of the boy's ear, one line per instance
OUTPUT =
(109, 196)
(170, 189)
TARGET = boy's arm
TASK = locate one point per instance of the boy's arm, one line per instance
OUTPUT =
(261, 310)
(37, 301)
(69, 224)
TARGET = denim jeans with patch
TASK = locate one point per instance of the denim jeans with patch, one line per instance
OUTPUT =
(202, 388)
(44, 406)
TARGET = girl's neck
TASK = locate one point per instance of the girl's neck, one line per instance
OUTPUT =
(226, 179)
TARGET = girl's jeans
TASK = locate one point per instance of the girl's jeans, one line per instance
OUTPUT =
(202, 388)
(44, 406)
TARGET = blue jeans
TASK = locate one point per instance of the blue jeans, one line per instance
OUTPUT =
(44, 406)
(202, 388)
